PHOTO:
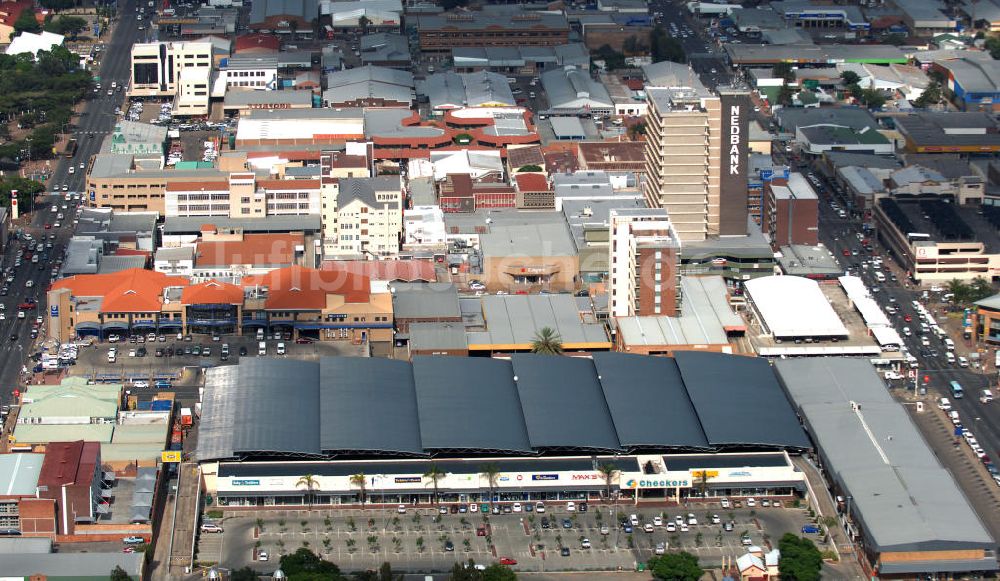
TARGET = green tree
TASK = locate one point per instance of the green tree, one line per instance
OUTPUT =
(384, 573)
(613, 60)
(608, 472)
(360, 480)
(636, 129)
(992, 45)
(244, 574)
(26, 22)
(498, 572)
(872, 98)
(682, 566)
(67, 25)
(850, 77)
(25, 190)
(784, 96)
(529, 168)
(364, 23)
(468, 572)
(308, 565)
(435, 474)
(800, 559)
(119, 574)
(931, 95)
(491, 472)
(311, 484)
(547, 342)
(702, 481)
(664, 47)
(783, 71)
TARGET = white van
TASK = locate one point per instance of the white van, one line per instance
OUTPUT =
(260, 334)
(953, 416)
(262, 348)
(949, 344)
(986, 396)
(950, 357)
(281, 348)
(944, 404)
(879, 276)
(963, 362)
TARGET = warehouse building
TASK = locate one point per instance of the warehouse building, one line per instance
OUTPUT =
(902, 507)
(551, 421)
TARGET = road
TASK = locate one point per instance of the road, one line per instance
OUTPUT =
(982, 419)
(97, 121)
(704, 57)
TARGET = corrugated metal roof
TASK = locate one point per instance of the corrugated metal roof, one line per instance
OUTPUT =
(563, 403)
(901, 494)
(739, 401)
(451, 407)
(368, 405)
(276, 402)
(632, 386)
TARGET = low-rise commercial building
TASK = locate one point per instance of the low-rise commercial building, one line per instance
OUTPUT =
(951, 132)
(791, 211)
(492, 26)
(157, 66)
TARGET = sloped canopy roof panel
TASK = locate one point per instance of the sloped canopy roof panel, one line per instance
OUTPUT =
(469, 403)
(276, 407)
(739, 401)
(368, 405)
(563, 403)
(648, 403)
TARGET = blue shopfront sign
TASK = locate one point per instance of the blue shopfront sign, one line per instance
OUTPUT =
(54, 311)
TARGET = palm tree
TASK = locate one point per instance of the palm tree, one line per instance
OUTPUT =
(435, 474)
(547, 342)
(960, 290)
(311, 484)
(491, 472)
(360, 480)
(703, 476)
(363, 24)
(609, 472)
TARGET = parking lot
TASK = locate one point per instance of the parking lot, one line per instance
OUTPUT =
(418, 540)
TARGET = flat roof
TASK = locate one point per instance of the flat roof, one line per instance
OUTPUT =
(793, 306)
(744, 54)
(538, 239)
(423, 300)
(276, 224)
(802, 260)
(509, 322)
(19, 473)
(532, 404)
(72, 565)
(904, 499)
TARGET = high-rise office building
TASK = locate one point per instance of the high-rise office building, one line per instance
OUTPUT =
(643, 257)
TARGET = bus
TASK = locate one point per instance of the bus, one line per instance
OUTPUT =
(70, 150)
(956, 390)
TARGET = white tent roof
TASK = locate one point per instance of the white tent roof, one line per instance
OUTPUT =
(886, 336)
(31, 42)
(793, 306)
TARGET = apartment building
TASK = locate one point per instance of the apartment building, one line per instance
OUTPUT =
(157, 66)
(362, 217)
(791, 211)
(115, 182)
(643, 260)
(250, 71)
(696, 159)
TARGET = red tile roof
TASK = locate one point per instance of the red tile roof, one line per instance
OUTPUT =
(254, 249)
(11, 11)
(532, 182)
(128, 291)
(212, 293)
(300, 288)
(288, 184)
(387, 270)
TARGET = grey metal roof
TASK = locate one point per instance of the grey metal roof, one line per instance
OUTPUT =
(19, 473)
(71, 565)
(902, 496)
(364, 189)
(110, 263)
(437, 337)
(425, 300)
(514, 319)
(564, 406)
(739, 401)
(451, 407)
(276, 403)
(648, 402)
(246, 97)
(368, 405)
(538, 239)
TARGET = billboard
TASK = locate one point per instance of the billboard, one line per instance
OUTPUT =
(736, 112)
(168, 456)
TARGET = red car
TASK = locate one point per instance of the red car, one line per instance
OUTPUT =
(48, 226)
(304, 340)
(907, 318)
(508, 561)
(846, 252)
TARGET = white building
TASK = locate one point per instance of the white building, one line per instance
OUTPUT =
(642, 263)
(362, 217)
(477, 164)
(250, 71)
(31, 42)
(193, 91)
(424, 226)
(156, 66)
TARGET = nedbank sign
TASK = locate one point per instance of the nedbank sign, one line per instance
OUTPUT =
(737, 141)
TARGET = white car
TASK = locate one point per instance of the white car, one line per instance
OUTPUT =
(657, 521)
(140, 384)
(262, 556)
(891, 375)
(131, 352)
(751, 502)
(571, 506)
(401, 509)
(29, 284)
(516, 507)
(724, 502)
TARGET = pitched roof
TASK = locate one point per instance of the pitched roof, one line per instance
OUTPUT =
(69, 463)
(300, 288)
(253, 249)
(132, 290)
(364, 189)
(212, 293)
(532, 182)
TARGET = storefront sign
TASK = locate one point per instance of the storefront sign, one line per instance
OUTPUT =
(504, 478)
(54, 311)
(586, 477)
(169, 456)
(740, 474)
(545, 477)
(657, 483)
(269, 106)
(707, 474)
(246, 482)
(408, 480)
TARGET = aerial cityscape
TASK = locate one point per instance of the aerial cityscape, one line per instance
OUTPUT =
(476, 290)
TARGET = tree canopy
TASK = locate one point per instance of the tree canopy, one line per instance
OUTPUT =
(468, 572)
(26, 22)
(25, 189)
(800, 559)
(664, 47)
(682, 566)
(66, 25)
(303, 564)
(119, 574)
(547, 342)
